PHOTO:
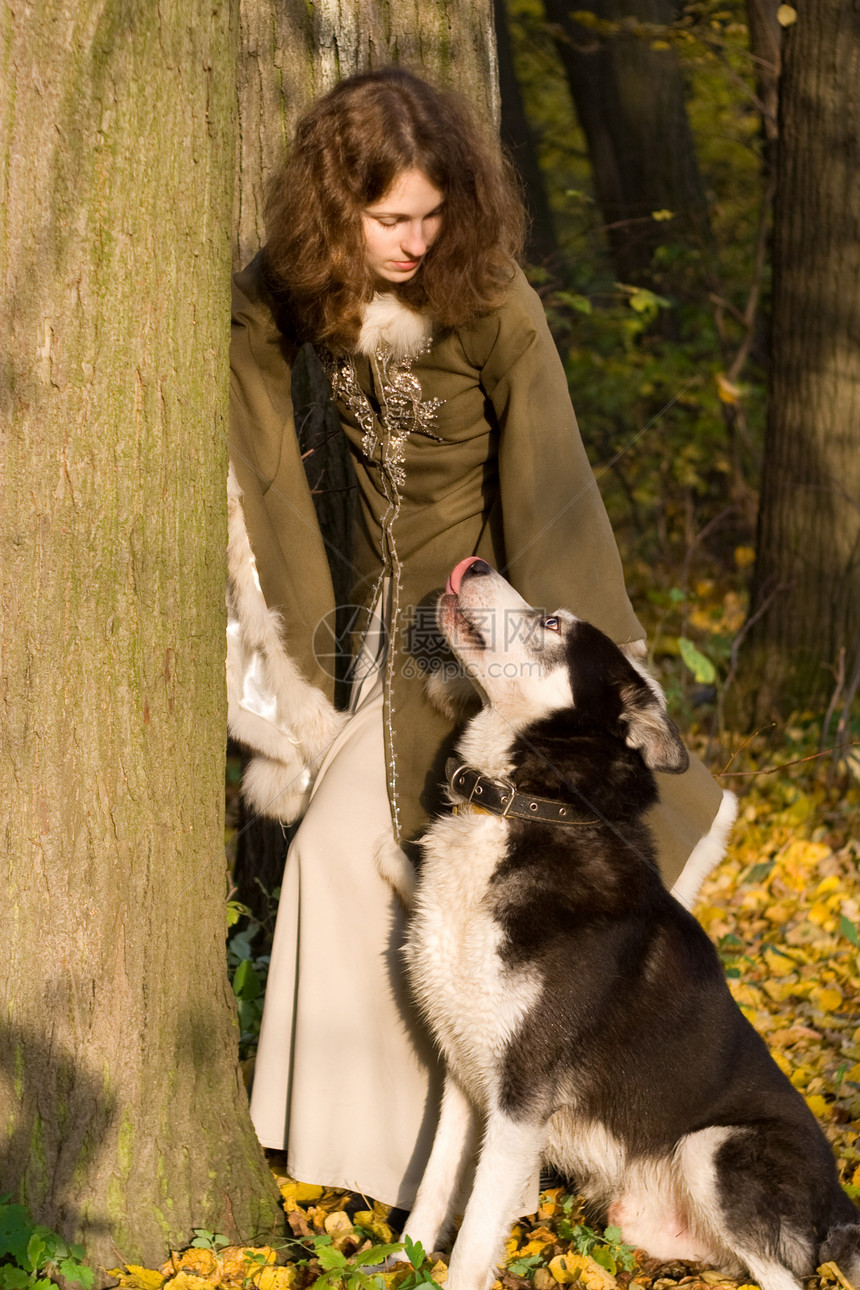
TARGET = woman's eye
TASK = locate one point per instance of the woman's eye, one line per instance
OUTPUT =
(553, 624)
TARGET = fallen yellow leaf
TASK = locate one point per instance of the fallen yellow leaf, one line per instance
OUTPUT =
(188, 1281)
(368, 1219)
(826, 998)
(239, 1261)
(543, 1279)
(269, 1278)
(567, 1268)
(338, 1223)
(137, 1278)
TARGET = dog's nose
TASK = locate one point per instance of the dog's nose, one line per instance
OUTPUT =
(472, 565)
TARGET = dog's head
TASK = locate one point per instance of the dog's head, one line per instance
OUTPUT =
(530, 664)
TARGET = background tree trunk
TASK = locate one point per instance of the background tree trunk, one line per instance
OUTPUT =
(630, 101)
(806, 593)
(521, 143)
(765, 39)
(125, 1120)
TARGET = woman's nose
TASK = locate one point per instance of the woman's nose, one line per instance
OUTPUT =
(414, 241)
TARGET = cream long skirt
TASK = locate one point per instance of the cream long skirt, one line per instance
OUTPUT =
(346, 1078)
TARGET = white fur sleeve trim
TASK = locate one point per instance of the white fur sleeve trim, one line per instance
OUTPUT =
(271, 708)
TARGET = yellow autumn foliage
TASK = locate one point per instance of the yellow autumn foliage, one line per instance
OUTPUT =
(240, 1261)
(137, 1278)
(298, 1193)
(567, 1268)
(200, 1263)
(368, 1219)
(269, 1278)
(190, 1281)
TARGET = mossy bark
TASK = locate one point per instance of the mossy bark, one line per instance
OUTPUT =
(806, 592)
(124, 1121)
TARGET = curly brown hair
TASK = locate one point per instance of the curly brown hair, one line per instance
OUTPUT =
(349, 149)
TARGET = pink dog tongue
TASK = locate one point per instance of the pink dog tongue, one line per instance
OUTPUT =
(455, 577)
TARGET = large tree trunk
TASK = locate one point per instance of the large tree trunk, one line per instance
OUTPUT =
(630, 101)
(124, 1118)
(806, 594)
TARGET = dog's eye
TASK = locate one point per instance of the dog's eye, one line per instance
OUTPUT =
(552, 624)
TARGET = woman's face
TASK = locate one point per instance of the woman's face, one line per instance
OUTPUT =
(401, 227)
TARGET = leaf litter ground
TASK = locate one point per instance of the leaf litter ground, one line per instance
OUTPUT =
(784, 910)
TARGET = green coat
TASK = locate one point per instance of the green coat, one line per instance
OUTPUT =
(469, 447)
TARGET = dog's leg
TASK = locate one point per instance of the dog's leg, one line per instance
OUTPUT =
(727, 1201)
(509, 1158)
(453, 1149)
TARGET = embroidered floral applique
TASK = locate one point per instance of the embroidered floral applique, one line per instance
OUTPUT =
(403, 409)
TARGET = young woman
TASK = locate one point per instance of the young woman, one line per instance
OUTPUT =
(393, 232)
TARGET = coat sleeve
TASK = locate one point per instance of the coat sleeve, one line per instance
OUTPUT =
(264, 452)
(559, 545)
(276, 572)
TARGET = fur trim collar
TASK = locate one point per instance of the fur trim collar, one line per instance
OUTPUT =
(390, 324)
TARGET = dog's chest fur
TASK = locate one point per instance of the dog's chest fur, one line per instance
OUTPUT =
(474, 1002)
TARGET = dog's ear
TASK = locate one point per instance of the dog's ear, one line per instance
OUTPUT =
(650, 729)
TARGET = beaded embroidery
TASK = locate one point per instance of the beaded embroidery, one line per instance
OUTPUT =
(403, 411)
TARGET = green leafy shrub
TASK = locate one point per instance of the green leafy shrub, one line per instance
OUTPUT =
(31, 1255)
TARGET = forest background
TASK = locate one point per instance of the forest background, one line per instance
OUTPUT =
(695, 243)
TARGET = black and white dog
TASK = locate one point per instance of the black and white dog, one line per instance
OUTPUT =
(582, 1011)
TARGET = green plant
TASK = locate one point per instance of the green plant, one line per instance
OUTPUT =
(355, 1272)
(31, 1255)
(248, 972)
(419, 1276)
(526, 1266)
(605, 1248)
(350, 1272)
(205, 1240)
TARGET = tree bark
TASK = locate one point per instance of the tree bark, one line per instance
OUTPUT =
(125, 1120)
(630, 102)
(806, 589)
